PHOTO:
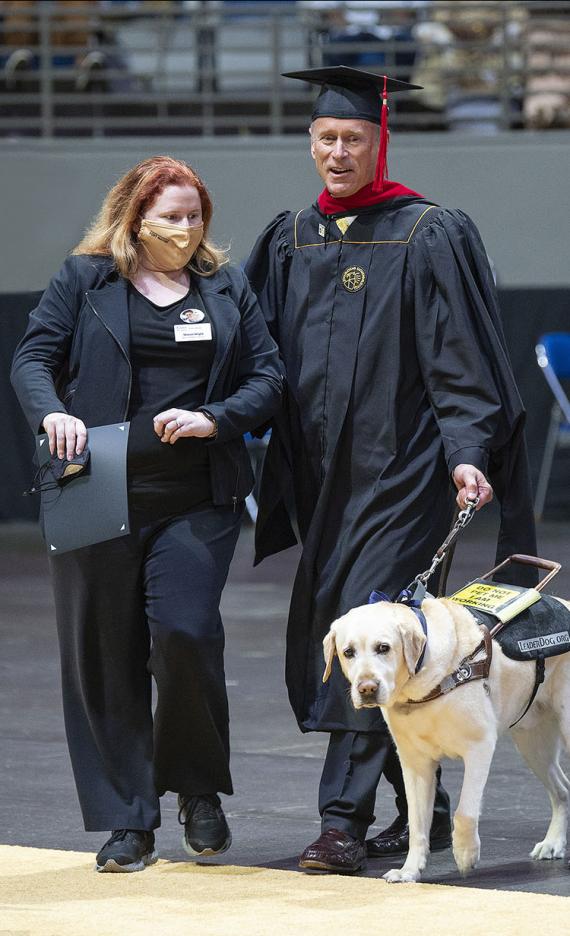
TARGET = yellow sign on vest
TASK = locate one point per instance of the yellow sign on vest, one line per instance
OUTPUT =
(502, 601)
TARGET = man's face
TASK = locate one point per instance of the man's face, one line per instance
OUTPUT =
(345, 153)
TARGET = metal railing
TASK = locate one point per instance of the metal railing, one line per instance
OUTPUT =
(90, 68)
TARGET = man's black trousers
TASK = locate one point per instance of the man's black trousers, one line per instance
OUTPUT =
(147, 603)
(353, 766)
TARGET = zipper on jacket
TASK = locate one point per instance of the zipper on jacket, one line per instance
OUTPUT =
(234, 498)
(126, 356)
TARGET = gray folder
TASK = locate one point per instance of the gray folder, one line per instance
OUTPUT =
(92, 507)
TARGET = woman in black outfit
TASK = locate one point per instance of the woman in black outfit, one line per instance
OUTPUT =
(146, 323)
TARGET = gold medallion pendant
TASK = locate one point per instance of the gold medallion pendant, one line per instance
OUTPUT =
(353, 278)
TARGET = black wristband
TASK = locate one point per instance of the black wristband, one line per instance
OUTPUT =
(214, 422)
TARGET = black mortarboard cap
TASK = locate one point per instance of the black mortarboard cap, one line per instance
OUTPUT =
(349, 92)
(353, 93)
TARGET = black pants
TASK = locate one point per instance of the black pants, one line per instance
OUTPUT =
(147, 603)
(353, 766)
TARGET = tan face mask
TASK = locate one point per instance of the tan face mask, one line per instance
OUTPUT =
(168, 247)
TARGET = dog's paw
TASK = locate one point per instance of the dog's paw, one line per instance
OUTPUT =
(466, 857)
(544, 851)
(401, 876)
(466, 843)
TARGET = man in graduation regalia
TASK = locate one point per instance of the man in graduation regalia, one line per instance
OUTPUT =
(398, 387)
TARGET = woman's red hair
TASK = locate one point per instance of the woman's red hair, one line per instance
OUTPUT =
(114, 230)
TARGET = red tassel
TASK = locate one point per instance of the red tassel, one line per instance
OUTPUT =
(382, 161)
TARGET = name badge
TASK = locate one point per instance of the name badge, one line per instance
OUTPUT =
(201, 332)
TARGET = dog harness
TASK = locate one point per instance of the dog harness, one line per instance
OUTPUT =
(474, 666)
(470, 667)
(539, 631)
(468, 670)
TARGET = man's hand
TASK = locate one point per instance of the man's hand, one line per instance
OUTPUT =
(471, 483)
(67, 435)
(174, 424)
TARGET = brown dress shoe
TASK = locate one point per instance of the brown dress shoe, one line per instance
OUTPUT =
(334, 851)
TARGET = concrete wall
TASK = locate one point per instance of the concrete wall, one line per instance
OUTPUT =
(515, 186)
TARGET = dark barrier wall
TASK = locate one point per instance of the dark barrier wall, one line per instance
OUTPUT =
(527, 313)
(511, 184)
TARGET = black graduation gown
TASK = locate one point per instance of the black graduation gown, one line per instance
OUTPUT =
(396, 372)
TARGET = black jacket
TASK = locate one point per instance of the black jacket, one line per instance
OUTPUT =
(74, 358)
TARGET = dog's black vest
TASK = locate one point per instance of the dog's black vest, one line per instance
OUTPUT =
(543, 630)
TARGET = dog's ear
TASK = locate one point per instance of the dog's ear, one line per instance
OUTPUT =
(329, 650)
(413, 640)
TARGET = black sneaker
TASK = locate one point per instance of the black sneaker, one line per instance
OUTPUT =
(206, 831)
(127, 850)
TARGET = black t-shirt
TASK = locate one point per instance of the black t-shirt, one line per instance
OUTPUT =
(172, 350)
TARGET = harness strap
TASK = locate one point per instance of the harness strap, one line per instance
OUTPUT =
(538, 680)
(538, 675)
(416, 608)
(467, 671)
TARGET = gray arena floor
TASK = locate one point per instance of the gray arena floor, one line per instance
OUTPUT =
(276, 770)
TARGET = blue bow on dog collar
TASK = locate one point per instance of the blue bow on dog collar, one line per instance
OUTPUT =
(412, 600)
(376, 596)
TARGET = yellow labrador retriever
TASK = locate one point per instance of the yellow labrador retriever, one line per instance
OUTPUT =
(378, 646)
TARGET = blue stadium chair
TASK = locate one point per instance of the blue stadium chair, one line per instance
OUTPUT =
(553, 356)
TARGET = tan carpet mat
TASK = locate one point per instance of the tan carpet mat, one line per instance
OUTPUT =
(56, 893)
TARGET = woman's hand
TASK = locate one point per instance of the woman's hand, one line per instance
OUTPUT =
(471, 483)
(174, 424)
(67, 435)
